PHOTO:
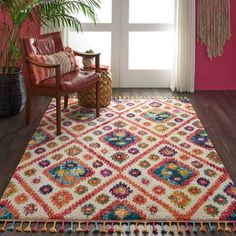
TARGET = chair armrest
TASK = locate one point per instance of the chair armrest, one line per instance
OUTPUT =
(90, 55)
(56, 66)
(86, 55)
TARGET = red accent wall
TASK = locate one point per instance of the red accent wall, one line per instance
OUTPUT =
(219, 74)
(29, 29)
(35, 29)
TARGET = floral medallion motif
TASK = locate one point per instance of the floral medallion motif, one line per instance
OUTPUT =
(69, 172)
(201, 138)
(121, 190)
(157, 115)
(119, 139)
(120, 157)
(40, 137)
(61, 198)
(180, 199)
(230, 190)
(82, 115)
(5, 213)
(174, 173)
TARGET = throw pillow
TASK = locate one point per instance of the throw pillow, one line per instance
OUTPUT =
(66, 59)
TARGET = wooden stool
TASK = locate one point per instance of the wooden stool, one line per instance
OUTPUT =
(87, 97)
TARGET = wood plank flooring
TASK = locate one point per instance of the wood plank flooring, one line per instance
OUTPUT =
(216, 110)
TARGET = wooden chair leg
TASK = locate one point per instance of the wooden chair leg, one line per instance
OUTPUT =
(66, 101)
(58, 115)
(97, 98)
(28, 109)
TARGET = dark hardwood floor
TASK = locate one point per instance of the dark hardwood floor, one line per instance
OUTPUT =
(216, 110)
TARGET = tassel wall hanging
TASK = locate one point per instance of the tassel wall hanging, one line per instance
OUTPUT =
(214, 25)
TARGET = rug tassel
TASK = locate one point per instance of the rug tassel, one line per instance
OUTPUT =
(20, 227)
(28, 227)
(187, 228)
(128, 230)
(219, 227)
(111, 229)
(96, 229)
(227, 228)
(103, 229)
(53, 229)
(171, 230)
(3, 228)
(202, 227)
(211, 227)
(154, 228)
(11, 227)
(234, 227)
(195, 228)
(86, 228)
(119, 229)
(163, 230)
(35, 229)
(62, 228)
(136, 229)
(71, 228)
(79, 228)
(45, 229)
(145, 230)
(179, 228)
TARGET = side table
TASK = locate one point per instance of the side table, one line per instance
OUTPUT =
(87, 97)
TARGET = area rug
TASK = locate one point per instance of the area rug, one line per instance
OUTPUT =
(144, 164)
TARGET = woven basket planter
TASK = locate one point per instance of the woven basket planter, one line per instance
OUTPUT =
(87, 97)
(12, 93)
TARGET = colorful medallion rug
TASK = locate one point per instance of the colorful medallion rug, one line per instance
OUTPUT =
(144, 164)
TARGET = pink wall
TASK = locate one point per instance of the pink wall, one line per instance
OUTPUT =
(219, 74)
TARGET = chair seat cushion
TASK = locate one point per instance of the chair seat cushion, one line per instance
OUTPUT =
(72, 81)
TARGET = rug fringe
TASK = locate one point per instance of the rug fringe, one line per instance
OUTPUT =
(142, 97)
(149, 97)
(119, 227)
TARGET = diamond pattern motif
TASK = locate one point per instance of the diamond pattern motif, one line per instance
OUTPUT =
(119, 139)
(141, 159)
(69, 172)
(173, 172)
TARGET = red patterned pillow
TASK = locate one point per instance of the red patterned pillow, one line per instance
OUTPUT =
(39, 73)
(66, 59)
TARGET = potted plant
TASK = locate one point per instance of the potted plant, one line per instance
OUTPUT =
(13, 15)
(87, 62)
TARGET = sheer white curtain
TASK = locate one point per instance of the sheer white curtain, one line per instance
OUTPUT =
(184, 56)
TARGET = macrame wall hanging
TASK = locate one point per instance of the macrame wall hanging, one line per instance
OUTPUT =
(214, 25)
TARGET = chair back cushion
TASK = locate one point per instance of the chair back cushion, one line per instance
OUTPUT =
(43, 45)
(65, 58)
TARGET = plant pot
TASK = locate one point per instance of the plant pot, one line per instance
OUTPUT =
(12, 93)
(87, 62)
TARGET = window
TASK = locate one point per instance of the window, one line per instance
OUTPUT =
(134, 38)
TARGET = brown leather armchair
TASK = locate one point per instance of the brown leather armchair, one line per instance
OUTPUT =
(59, 85)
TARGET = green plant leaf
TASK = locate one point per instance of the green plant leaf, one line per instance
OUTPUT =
(60, 13)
